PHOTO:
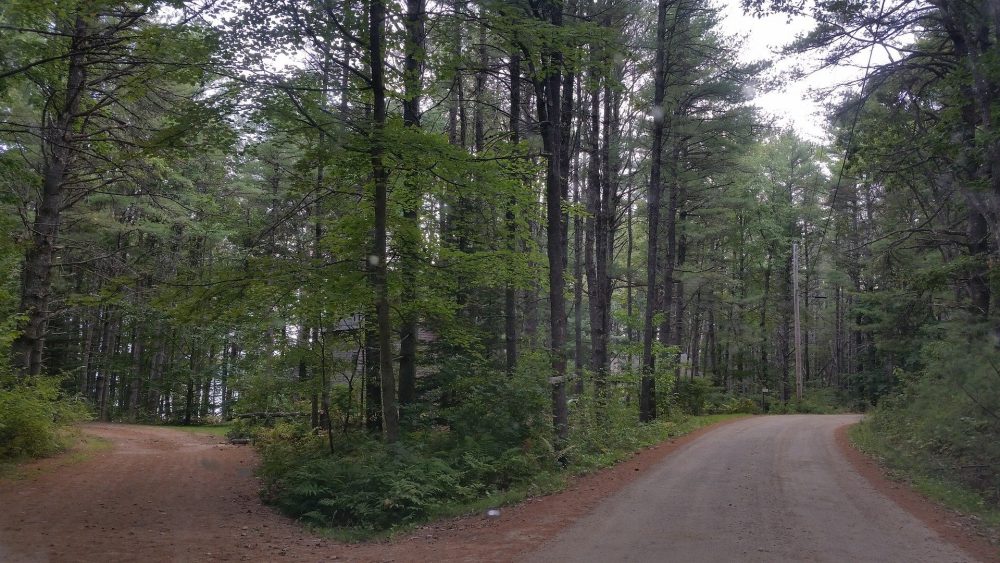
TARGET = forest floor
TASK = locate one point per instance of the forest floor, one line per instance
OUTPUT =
(160, 494)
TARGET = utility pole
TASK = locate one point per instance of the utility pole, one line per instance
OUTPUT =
(798, 324)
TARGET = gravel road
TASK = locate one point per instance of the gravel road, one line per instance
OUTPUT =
(761, 489)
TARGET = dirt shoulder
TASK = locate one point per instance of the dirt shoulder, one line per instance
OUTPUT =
(954, 527)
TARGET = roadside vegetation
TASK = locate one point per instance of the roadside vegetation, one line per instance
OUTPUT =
(939, 430)
(36, 419)
(490, 450)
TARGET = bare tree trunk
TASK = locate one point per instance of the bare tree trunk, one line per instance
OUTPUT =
(629, 305)
(88, 355)
(189, 395)
(373, 392)
(224, 389)
(695, 335)
(206, 385)
(599, 230)
(763, 366)
(107, 359)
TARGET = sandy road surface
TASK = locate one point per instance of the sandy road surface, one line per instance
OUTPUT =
(761, 489)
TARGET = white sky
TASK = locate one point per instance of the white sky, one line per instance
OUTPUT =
(792, 103)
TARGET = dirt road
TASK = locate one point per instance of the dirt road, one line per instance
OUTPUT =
(759, 489)
(762, 489)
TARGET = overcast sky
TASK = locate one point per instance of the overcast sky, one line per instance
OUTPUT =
(792, 103)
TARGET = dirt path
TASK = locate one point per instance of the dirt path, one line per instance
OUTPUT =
(166, 495)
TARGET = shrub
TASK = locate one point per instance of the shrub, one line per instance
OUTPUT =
(946, 419)
(375, 488)
(734, 405)
(691, 395)
(490, 437)
(32, 412)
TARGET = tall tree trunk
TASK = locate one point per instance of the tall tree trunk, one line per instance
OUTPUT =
(224, 380)
(136, 384)
(206, 385)
(372, 385)
(547, 82)
(629, 277)
(409, 236)
(58, 138)
(763, 367)
(695, 335)
(189, 395)
(606, 224)
(88, 355)
(107, 365)
(510, 293)
(578, 251)
(380, 176)
(647, 392)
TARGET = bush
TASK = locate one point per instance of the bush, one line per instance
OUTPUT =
(734, 405)
(691, 395)
(375, 488)
(945, 421)
(698, 396)
(32, 413)
(490, 437)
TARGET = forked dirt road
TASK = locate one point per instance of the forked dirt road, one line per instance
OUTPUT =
(757, 489)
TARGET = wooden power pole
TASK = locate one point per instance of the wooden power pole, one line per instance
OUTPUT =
(798, 324)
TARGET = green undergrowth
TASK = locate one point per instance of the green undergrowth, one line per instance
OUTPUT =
(940, 427)
(34, 416)
(815, 401)
(79, 447)
(213, 429)
(478, 439)
(600, 445)
(916, 470)
(367, 490)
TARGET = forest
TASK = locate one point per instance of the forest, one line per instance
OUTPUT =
(426, 253)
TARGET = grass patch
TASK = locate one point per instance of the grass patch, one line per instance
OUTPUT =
(601, 446)
(907, 469)
(82, 447)
(212, 429)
